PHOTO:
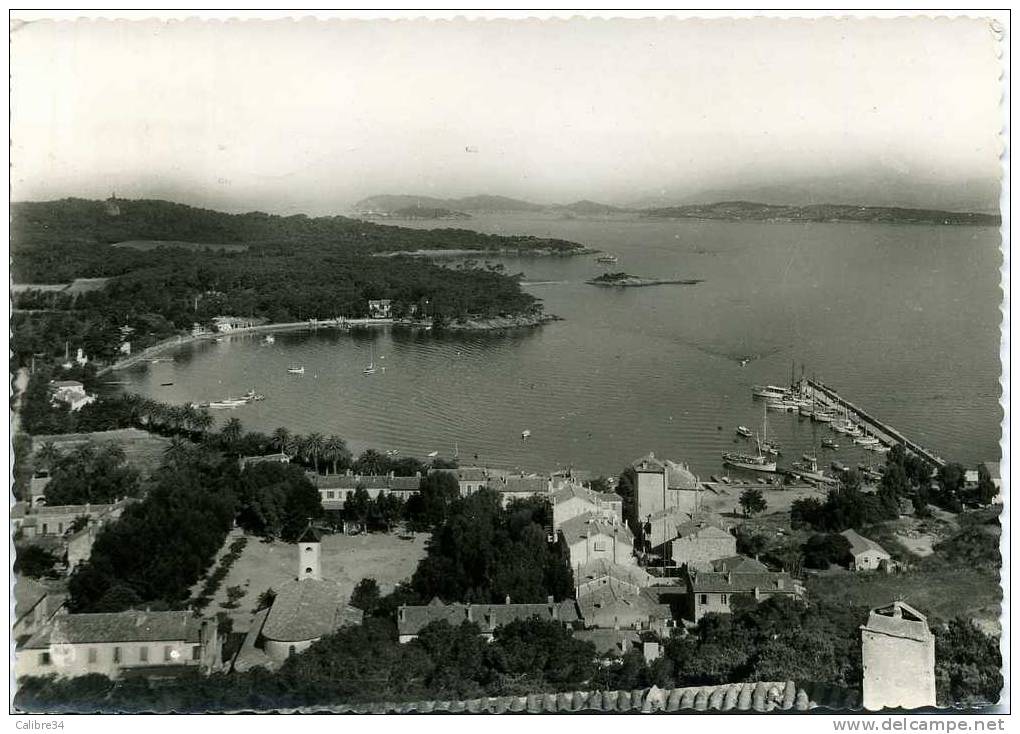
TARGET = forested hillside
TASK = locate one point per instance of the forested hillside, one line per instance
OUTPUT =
(290, 269)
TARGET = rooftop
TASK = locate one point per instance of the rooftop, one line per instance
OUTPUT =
(412, 619)
(368, 481)
(898, 619)
(859, 544)
(571, 490)
(741, 581)
(601, 567)
(679, 475)
(130, 626)
(589, 524)
(307, 609)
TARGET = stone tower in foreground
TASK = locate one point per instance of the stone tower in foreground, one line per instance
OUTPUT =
(899, 659)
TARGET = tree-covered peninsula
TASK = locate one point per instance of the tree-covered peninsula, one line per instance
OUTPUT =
(169, 265)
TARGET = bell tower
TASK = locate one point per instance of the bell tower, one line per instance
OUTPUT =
(309, 543)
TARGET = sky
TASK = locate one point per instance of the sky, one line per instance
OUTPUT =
(310, 116)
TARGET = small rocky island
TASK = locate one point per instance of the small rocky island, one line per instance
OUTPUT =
(626, 280)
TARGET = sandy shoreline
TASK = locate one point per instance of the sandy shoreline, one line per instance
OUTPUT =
(168, 345)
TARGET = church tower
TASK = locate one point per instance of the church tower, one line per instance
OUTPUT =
(898, 652)
(308, 554)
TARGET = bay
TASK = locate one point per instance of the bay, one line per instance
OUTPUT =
(903, 320)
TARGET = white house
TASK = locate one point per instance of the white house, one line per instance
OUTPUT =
(590, 537)
(72, 393)
(380, 309)
(866, 554)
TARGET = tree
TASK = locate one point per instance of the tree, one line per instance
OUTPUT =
(358, 505)
(231, 432)
(92, 474)
(986, 491)
(821, 551)
(366, 596)
(437, 492)
(968, 665)
(372, 463)
(48, 456)
(177, 451)
(276, 500)
(389, 508)
(35, 561)
(334, 450)
(752, 501)
(265, 599)
(313, 447)
(281, 440)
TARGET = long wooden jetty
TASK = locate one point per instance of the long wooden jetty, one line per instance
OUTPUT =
(885, 433)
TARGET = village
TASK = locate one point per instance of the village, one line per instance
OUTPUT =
(646, 568)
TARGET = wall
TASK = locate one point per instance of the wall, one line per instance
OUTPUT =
(898, 672)
(868, 560)
(610, 547)
(280, 651)
(73, 660)
(693, 549)
(650, 491)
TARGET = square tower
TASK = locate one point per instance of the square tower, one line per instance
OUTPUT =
(899, 659)
(308, 554)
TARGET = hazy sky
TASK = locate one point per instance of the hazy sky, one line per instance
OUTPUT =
(311, 116)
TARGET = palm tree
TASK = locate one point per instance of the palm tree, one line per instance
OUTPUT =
(231, 432)
(177, 452)
(281, 439)
(335, 449)
(48, 455)
(202, 421)
(314, 445)
(293, 445)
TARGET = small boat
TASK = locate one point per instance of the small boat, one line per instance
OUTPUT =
(525, 433)
(252, 396)
(165, 384)
(228, 404)
(788, 406)
(607, 259)
(866, 441)
(761, 481)
(370, 370)
(744, 431)
(725, 480)
(269, 339)
(837, 467)
(715, 478)
(433, 454)
(823, 417)
(828, 443)
(296, 370)
(770, 391)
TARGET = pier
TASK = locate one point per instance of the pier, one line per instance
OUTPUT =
(885, 433)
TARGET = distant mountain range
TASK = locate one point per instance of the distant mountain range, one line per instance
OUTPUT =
(427, 207)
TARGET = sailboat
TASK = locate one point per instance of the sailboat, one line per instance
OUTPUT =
(751, 462)
(370, 370)
(769, 447)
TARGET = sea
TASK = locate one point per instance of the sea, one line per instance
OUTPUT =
(902, 320)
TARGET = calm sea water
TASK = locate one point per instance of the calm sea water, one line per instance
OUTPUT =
(902, 320)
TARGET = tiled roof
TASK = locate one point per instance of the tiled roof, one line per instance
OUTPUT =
(570, 490)
(609, 642)
(859, 544)
(679, 475)
(760, 697)
(772, 582)
(530, 484)
(412, 619)
(604, 606)
(129, 626)
(368, 481)
(307, 609)
(27, 593)
(739, 564)
(599, 567)
(589, 524)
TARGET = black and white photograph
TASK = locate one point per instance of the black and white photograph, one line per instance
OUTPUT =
(481, 363)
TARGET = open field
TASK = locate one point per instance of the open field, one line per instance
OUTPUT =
(146, 245)
(345, 558)
(942, 594)
(142, 449)
(725, 500)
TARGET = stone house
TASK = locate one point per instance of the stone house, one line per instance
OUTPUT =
(411, 619)
(715, 591)
(663, 484)
(115, 643)
(701, 541)
(590, 537)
